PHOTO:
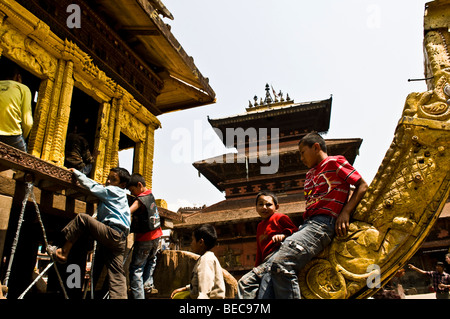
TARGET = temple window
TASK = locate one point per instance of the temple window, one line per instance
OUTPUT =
(126, 152)
(83, 121)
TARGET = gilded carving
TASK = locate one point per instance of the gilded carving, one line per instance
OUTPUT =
(25, 51)
(110, 124)
(52, 113)
(41, 31)
(149, 146)
(321, 279)
(2, 18)
(139, 159)
(61, 64)
(14, 157)
(36, 138)
(62, 119)
(116, 137)
(133, 128)
(101, 140)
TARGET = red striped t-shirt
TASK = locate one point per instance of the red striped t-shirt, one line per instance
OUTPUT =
(327, 186)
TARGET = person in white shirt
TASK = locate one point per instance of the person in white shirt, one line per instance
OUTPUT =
(207, 276)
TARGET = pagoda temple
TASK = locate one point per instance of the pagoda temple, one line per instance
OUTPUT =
(241, 176)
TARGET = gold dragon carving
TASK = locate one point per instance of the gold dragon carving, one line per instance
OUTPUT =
(404, 199)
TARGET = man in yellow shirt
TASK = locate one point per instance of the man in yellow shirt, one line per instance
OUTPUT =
(15, 108)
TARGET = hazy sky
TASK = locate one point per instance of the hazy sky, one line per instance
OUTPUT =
(361, 52)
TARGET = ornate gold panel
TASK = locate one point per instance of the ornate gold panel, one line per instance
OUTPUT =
(61, 64)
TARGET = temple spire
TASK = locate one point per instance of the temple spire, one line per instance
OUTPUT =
(269, 100)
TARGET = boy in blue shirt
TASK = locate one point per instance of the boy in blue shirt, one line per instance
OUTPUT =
(110, 229)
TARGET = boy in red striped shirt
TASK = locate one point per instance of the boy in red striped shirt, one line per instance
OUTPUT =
(328, 210)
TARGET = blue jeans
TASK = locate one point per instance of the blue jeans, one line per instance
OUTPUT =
(142, 265)
(16, 141)
(86, 169)
(281, 282)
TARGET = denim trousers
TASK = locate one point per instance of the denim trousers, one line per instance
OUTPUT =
(16, 141)
(142, 265)
(281, 282)
(111, 247)
(86, 169)
(248, 285)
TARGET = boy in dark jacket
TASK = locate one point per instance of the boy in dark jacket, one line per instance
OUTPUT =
(145, 224)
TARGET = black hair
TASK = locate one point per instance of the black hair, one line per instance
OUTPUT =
(9, 70)
(124, 175)
(208, 233)
(312, 138)
(136, 178)
(267, 193)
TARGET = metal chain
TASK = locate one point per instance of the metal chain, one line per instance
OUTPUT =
(46, 244)
(28, 193)
(16, 237)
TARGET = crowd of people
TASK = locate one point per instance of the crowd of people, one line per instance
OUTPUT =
(282, 247)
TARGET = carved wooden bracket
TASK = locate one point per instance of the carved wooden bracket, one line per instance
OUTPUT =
(45, 175)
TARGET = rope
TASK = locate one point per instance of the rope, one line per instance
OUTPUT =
(28, 193)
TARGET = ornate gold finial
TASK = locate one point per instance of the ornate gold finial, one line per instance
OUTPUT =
(268, 99)
(271, 99)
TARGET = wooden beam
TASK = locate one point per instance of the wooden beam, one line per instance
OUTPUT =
(45, 174)
(141, 31)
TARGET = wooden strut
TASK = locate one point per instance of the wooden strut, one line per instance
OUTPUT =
(30, 193)
(91, 276)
